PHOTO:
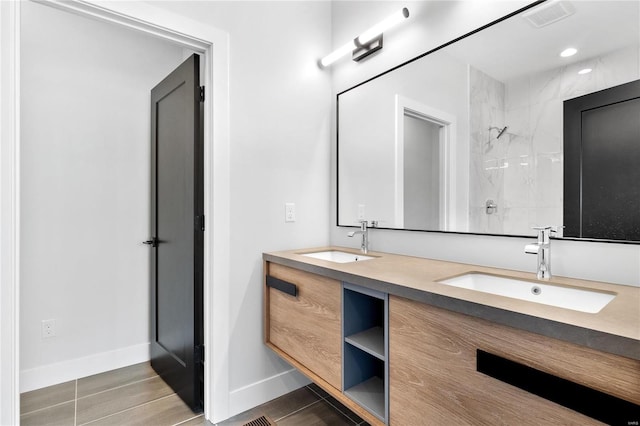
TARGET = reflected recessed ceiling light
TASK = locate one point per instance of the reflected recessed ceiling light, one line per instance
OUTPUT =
(568, 52)
(585, 71)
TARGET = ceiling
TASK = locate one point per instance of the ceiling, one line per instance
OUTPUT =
(515, 47)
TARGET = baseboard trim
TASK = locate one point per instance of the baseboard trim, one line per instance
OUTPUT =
(60, 372)
(257, 393)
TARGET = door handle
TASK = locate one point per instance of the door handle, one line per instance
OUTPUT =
(153, 242)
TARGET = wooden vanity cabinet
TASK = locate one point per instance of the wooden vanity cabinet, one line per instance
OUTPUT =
(305, 329)
(433, 377)
(303, 324)
(429, 365)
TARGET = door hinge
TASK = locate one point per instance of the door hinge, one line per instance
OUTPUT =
(201, 93)
(200, 223)
(199, 353)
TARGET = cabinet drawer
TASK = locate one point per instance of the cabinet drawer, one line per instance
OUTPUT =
(433, 374)
(306, 326)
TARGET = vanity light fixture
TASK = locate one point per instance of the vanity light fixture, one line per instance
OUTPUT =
(366, 43)
(570, 51)
(585, 71)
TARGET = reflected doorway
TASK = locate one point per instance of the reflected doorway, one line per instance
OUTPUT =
(424, 171)
(422, 180)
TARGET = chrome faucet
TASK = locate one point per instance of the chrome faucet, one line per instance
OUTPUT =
(543, 249)
(364, 230)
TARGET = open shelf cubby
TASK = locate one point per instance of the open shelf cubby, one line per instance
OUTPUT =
(365, 347)
(370, 341)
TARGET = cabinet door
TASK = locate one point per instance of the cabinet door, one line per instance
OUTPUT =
(306, 327)
(433, 377)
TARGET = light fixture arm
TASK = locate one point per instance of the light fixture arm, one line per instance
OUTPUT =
(363, 50)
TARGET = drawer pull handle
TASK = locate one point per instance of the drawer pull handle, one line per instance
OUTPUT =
(283, 286)
(590, 402)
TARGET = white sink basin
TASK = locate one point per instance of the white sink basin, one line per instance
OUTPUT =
(338, 256)
(590, 301)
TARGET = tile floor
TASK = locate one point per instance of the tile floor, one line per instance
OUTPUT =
(135, 395)
(307, 406)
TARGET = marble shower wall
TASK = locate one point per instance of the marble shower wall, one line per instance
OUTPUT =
(522, 171)
(487, 154)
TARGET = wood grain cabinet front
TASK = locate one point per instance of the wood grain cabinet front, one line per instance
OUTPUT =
(305, 328)
(434, 377)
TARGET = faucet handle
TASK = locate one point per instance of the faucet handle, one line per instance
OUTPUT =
(550, 228)
(553, 228)
(544, 232)
(542, 229)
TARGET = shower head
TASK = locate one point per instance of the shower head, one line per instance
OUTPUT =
(500, 131)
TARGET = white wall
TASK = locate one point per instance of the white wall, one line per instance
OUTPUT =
(280, 109)
(431, 24)
(85, 192)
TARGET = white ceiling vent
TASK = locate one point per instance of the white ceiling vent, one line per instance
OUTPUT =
(548, 13)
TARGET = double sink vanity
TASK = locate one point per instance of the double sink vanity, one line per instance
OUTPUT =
(489, 134)
(409, 341)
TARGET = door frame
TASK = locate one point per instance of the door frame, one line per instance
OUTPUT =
(448, 133)
(213, 44)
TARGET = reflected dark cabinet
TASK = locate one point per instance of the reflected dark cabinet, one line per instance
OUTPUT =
(602, 164)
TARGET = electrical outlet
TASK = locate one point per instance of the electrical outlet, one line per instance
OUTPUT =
(361, 211)
(289, 212)
(48, 328)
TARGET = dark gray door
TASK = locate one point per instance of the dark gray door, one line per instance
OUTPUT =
(177, 225)
(602, 164)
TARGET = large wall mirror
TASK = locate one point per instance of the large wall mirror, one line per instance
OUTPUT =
(472, 137)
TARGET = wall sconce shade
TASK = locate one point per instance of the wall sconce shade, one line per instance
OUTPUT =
(382, 26)
(366, 43)
(337, 54)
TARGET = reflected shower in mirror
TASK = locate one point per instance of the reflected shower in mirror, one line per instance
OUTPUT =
(469, 138)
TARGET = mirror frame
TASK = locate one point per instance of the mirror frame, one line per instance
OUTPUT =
(422, 55)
